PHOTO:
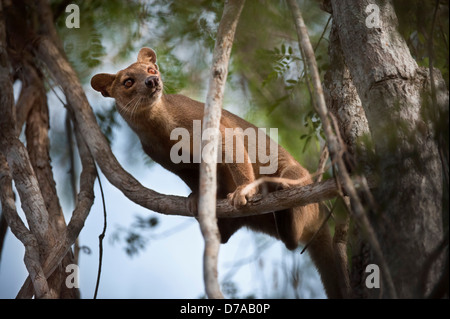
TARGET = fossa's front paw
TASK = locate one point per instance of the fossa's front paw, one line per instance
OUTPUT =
(240, 198)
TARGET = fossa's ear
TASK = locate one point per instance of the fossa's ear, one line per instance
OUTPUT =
(102, 82)
(147, 55)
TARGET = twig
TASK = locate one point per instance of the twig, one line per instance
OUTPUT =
(324, 222)
(323, 33)
(247, 260)
(101, 236)
(73, 180)
(321, 169)
(304, 73)
(171, 231)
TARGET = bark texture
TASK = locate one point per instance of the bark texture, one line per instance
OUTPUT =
(392, 90)
(344, 103)
(208, 167)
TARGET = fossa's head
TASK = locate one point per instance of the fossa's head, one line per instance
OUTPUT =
(137, 86)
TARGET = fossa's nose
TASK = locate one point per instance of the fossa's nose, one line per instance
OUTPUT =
(152, 81)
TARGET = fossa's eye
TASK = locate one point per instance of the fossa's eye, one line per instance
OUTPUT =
(152, 71)
(128, 83)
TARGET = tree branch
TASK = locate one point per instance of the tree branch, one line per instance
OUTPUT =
(85, 199)
(208, 166)
(38, 146)
(27, 97)
(19, 230)
(340, 251)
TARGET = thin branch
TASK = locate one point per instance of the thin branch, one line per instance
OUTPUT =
(321, 169)
(324, 222)
(236, 264)
(333, 145)
(27, 97)
(282, 199)
(69, 137)
(208, 167)
(38, 146)
(340, 252)
(101, 236)
(73, 179)
(323, 33)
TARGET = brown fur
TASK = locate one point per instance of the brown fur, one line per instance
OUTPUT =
(153, 116)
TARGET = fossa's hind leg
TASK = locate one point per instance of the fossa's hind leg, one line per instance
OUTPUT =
(299, 224)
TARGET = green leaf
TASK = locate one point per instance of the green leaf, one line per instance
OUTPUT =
(306, 143)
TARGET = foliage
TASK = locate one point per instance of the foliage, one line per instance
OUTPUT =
(416, 25)
(133, 237)
(107, 27)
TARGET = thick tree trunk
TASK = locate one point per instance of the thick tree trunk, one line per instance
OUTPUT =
(343, 100)
(391, 87)
(344, 103)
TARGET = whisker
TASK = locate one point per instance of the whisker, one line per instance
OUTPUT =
(136, 106)
(128, 110)
(125, 107)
